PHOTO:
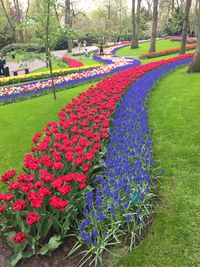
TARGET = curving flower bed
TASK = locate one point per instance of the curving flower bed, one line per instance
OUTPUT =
(73, 63)
(45, 199)
(41, 87)
(167, 52)
(120, 203)
(42, 75)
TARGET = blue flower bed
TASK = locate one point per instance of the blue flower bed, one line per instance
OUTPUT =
(121, 202)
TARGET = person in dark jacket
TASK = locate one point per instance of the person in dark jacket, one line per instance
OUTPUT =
(101, 50)
(2, 63)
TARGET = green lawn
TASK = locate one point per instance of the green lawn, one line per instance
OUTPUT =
(144, 48)
(86, 61)
(60, 65)
(161, 45)
(175, 119)
(20, 121)
(55, 66)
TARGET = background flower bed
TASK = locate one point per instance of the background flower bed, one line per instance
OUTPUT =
(73, 63)
(16, 93)
(167, 52)
(42, 75)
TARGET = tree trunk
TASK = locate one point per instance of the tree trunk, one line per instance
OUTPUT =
(69, 45)
(133, 45)
(47, 47)
(149, 5)
(138, 23)
(195, 65)
(57, 16)
(18, 18)
(154, 26)
(195, 28)
(68, 23)
(173, 6)
(26, 17)
(185, 27)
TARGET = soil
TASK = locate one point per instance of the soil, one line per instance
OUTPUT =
(5, 253)
(57, 257)
(55, 260)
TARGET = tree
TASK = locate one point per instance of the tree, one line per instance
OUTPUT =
(154, 26)
(185, 26)
(12, 26)
(45, 21)
(68, 22)
(175, 22)
(133, 44)
(138, 22)
(110, 19)
(6, 34)
(195, 65)
(19, 20)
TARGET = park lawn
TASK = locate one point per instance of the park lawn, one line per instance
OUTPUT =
(55, 66)
(175, 119)
(87, 61)
(20, 121)
(63, 65)
(144, 48)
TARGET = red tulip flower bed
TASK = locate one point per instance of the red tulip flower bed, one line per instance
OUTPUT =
(167, 52)
(73, 63)
(44, 201)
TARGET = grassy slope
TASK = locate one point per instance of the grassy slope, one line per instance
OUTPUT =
(55, 66)
(175, 118)
(20, 121)
(161, 45)
(86, 62)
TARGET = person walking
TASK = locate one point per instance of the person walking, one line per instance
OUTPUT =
(101, 50)
(84, 43)
(2, 63)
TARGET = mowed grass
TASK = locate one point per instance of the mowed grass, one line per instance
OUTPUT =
(55, 66)
(85, 60)
(20, 121)
(175, 119)
(144, 48)
(64, 65)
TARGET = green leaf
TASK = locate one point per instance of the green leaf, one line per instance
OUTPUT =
(54, 243)
(9, 236)
(3, 225)
(28, 254)
(20, 222)
(135, 197)
(16, 257)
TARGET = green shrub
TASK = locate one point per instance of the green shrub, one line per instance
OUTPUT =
(61, 43)
(26, 47)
